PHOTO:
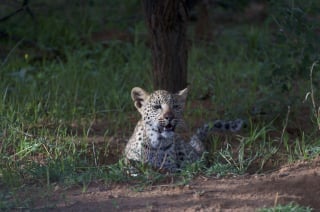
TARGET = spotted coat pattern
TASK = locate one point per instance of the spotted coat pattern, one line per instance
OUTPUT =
(154, 141)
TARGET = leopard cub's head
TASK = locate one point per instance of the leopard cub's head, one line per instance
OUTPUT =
(161, 110)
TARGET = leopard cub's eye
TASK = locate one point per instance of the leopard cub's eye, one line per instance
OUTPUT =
(176, 106)
(156, 107)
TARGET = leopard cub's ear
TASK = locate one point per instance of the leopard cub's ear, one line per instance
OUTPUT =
(183, 94)
(139, 96)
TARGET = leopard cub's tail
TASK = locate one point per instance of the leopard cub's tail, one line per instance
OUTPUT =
(201, 134)
(222, 126)
(219, 126)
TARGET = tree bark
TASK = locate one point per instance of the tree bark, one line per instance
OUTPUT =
(167, 24)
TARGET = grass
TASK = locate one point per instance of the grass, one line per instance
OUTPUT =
(288, 207)
(61, 91)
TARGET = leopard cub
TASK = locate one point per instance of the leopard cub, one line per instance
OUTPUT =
(154, 140)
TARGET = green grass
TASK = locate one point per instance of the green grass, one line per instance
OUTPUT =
(285, 208)
(57, 90)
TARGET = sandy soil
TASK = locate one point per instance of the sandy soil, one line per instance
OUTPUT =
(297, 183)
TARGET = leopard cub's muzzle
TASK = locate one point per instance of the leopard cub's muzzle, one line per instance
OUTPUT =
(167, 122)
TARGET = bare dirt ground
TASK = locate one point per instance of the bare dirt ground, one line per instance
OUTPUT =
(297, 183)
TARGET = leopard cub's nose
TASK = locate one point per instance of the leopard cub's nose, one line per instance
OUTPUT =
(168, 115)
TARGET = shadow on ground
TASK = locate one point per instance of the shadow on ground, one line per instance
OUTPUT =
(297, 183)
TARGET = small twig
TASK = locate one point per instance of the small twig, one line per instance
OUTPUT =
(46, 149)
(90, 127)
(12, 14)
(284, 126)
(11, 51)
(311, 85)
(316, 109)
(24, 7)
(276, 199)
(163, 161)
(94, 154)
(283, 129)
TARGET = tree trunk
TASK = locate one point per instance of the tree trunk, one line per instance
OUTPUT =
(167, 23)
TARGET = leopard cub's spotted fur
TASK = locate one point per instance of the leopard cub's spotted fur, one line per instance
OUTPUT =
(154, 140)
